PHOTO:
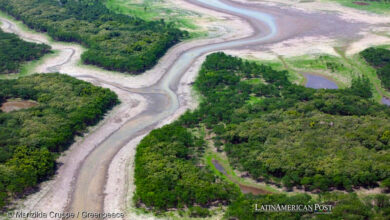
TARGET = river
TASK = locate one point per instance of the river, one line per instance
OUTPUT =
(89, 187)
(88, 191)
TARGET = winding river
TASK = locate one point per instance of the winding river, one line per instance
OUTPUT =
(163, 101)
(89, 184)
(89, 187)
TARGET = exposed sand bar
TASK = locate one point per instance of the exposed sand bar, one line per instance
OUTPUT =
(94, 172)
(54, 195)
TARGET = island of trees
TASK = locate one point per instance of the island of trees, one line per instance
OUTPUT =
(276, 131)
(31, 139)
(379, 58)
(14, 52)
(114, 41)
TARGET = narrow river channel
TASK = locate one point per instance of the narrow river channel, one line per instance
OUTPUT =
(89, 183)
(89, 186)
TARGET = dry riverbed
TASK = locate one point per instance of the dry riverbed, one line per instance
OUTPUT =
(300, 33)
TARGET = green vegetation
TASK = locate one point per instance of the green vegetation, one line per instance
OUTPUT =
(14, 52)
(30, 139)
(379, 58)
(330, 66)
(167, 173)
(114, 41)
(152, 10)
(344, 206)
(277, 131)
(376, 6)
(289, 134)
(231, 174)
(342, 69)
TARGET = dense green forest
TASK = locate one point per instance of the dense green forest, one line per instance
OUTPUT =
(14, 52)
(379, 58)
(276, 131)
(313, 138)
(344, 206)
(114, 41)
(167, 174)
(30, 139)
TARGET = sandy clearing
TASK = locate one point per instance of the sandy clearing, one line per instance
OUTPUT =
(15, 105)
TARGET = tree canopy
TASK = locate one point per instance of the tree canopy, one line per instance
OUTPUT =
(300, 136)
(31, 138)
(167, 175)
(379, 58)
(114, 41)
(14, 52)
(277, 131)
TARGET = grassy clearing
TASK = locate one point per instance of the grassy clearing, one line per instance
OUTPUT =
(210, 155)
(325, 65)
(371, 74)
(280, 65)
(152, 10)
(341, 69)
(379, 7)
(231, 177)
(359, 65)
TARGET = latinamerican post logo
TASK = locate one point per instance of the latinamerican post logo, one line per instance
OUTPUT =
(310, 208)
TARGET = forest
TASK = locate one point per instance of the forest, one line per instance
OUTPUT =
(344, 206)
(276, 131)
(317, 139)
(168, 172)
(14, 52)
(31, 139)
(379, 58)
(115, 42)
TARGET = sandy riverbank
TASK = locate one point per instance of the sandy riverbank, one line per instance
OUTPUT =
(302, 37)
(371, 30)
(54, 195)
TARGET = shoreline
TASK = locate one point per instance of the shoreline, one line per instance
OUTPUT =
(60, 62)
(115, 183)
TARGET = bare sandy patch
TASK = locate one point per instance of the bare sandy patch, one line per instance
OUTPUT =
(369, 40)
(346, 13)
(17, 104)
